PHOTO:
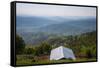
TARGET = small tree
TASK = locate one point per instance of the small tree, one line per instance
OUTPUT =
(30, 51)
(46, 48)
(20, 45)
(43, 49)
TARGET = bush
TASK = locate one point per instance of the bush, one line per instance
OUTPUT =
(88, 52)
(20, 45)
(30, 51)
(43, 49)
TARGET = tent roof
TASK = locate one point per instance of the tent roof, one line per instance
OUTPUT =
(61, 52)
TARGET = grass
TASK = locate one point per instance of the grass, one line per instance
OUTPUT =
(22, 60)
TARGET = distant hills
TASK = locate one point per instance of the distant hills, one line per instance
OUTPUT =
(34, 29)
(70, 27)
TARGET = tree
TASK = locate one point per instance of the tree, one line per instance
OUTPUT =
(46, 48)
(30, 51)
(38, 50)
(20, 45)
(43, 49)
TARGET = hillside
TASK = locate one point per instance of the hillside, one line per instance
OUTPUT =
(37, 29)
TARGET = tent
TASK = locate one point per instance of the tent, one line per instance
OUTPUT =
(62, 53)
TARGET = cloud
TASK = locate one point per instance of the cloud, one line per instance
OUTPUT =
(26, 9)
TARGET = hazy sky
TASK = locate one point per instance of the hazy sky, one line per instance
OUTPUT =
(25, 9)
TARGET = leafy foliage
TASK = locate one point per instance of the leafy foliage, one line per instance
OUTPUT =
(83, 46)
(20, 45)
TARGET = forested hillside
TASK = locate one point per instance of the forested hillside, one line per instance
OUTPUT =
(83, 45)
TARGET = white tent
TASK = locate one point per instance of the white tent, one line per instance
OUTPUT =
(61, 52)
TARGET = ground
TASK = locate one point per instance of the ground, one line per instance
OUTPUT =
(30, 60)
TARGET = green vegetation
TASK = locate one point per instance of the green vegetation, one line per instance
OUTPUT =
(83, 46)
(26, 60)
(20, 45)
(43, 49)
